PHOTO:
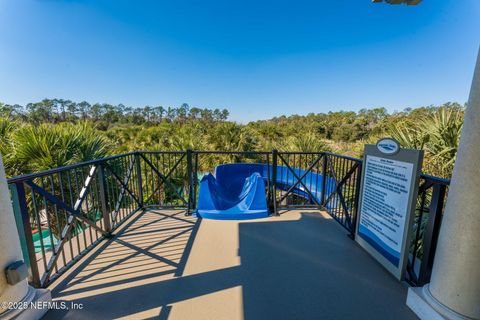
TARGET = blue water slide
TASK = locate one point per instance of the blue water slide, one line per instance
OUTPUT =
(234, 200)
(237, 191)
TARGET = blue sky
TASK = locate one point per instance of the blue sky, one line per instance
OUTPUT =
(257, 58)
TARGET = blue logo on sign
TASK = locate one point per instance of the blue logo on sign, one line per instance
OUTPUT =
(388, 146)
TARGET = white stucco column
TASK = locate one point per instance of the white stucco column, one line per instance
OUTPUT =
(10, 251)
(454, 290)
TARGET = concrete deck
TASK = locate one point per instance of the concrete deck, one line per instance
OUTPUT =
(163, 265)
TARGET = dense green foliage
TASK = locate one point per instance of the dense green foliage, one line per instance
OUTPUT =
(57, 132)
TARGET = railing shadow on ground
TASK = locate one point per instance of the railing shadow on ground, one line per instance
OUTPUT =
(290, 269)
(152, 245)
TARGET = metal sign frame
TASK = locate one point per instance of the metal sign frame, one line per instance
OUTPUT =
(415, 158)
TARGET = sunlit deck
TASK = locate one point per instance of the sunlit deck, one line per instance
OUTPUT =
(164, 265)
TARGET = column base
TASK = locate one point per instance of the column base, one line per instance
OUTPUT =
(41, 297)
(426, 307)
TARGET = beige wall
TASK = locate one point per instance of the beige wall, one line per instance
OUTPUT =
(10, 250)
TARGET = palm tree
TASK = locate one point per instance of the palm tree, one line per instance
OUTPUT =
(444, 129)
(46, 146)
(6, 128)
(308, 142)
(437, 133)
(147, 111)
(189, 136)
(92, 145)
(159, 112)
(230, 136)
(84, 108)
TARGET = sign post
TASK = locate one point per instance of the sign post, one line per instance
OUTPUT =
(388, 193)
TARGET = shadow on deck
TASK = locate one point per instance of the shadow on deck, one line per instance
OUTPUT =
(163, 265)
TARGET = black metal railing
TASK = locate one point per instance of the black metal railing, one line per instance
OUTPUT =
(326, 181)
(64, 212)
(341, 198)
(165, 178)
(431, 199)
(298, 171)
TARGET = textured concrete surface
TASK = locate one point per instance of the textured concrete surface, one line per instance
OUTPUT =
(164, 265)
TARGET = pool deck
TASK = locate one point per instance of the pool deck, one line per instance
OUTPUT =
(163, 265)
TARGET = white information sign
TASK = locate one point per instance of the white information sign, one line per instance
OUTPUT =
(388, 195)
(385, 195)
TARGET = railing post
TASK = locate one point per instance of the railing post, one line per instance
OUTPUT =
(195, 180)
(324, 178)
(274, 180)
(358, 184)
(269, 183)
(22, 218)
(104, 199)
(430, 236)
(139, 178)
(190, 181)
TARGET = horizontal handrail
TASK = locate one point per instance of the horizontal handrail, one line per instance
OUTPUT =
(160, 152)
(29, 176)
(47, 172)
(435, 179)
(232, 152)
(300, 152)
(344, 156)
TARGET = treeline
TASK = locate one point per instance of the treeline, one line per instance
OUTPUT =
(61, 110)
(350, 126)
(56, 132)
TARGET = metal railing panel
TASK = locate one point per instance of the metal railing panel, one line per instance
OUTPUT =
(66, 211)
(342, 189)
(431, 200)
(298, 180)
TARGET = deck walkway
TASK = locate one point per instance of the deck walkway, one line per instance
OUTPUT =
(163, 265)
